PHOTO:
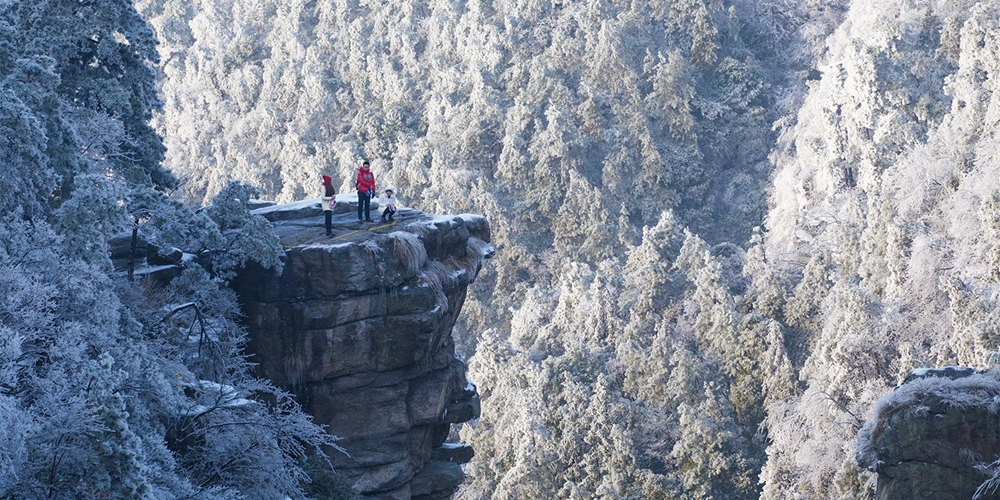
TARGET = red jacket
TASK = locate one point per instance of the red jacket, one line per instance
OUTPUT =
(366, 180)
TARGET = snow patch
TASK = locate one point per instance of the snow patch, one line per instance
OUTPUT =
(255, 204)
(289, 207)
(472, 218)
(326, 246)
(438, 221)
(174, 309)
(153, 269)
(221, 396)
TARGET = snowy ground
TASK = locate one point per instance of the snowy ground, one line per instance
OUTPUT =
(302, 223)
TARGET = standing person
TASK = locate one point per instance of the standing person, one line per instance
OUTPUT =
(327, 200)
(387, 202)
(366, 186)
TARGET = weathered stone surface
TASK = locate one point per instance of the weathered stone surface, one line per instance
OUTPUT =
(928, 437)
(429, 395)
(255, 204)
(461, 410)
(420, 443)
(442, 359)
(439, 434)
(369, 452)
(164, 256)
(382, 410)
(381, 478)
(365, 346)
(400, 494)
(156, 265)
(120, 247)
(358, 326)
(438, 479)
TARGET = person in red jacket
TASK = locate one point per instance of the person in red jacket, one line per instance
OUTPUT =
(366, 186)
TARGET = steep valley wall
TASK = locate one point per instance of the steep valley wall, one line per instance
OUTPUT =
(358, 327)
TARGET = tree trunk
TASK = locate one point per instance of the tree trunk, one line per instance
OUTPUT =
(131, 253)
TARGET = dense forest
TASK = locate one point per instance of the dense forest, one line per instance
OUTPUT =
(111, 387)
(724, 228)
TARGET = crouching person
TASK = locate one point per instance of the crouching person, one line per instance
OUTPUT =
(387, 202)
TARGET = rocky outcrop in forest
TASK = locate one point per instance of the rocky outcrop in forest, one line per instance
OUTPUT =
(358, 327)
(936, 437)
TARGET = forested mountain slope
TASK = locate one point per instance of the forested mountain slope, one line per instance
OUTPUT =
(648, 105)
(887, 189)
(617, 351)
(724, 228)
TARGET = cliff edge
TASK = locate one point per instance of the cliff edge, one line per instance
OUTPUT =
(358, 327)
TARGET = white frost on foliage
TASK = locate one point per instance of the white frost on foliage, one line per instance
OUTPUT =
(436, 276)
(409, 250)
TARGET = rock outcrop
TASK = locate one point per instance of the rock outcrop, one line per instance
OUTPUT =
(358, 326)
(934, 437)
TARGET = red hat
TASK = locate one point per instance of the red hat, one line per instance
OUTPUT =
(327, 179)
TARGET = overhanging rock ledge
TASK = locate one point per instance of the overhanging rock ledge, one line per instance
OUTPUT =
(358, 327)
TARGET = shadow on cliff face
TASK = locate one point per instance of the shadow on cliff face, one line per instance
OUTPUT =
(936, 437)
(358, 327)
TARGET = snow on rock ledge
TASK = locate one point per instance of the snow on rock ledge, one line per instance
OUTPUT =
(358, 326)
(931, 437)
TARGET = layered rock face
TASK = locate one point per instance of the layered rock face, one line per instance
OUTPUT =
(358, 326)
(932, 438)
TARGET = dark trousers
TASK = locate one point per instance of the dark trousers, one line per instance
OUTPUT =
(388, 213)
(329, 221)
(364, 203)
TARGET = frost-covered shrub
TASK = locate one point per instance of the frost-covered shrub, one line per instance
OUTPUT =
(409, 250)
(250, 237)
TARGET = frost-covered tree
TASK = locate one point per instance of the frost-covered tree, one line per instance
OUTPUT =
(250, 237)
(108, 396)
(111, 388)
(102, 52)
